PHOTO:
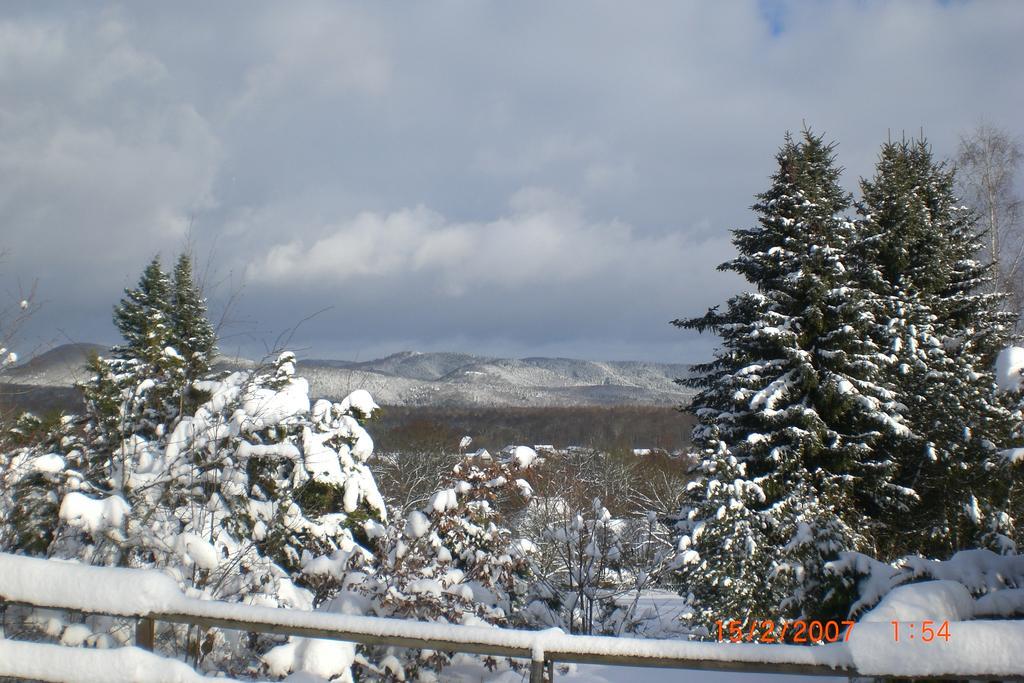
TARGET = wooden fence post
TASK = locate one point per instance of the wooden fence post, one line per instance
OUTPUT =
(145, 633)
(537, 671)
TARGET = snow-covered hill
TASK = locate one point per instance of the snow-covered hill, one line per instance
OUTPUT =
(62, 366)
(451, 379)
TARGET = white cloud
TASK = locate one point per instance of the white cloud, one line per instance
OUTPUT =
(543, 238)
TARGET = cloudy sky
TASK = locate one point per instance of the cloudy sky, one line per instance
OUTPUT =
(501, 178)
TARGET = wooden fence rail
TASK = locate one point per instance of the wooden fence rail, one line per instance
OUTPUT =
(151, 597)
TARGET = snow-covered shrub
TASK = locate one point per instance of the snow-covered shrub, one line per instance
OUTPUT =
(577, 592)
(232, 501)
(994, 583)
(452, 561)
(408, 479)
(231, 484)
(599, 540)
(40, 457)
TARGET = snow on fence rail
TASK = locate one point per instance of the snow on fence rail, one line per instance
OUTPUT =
(151, 596)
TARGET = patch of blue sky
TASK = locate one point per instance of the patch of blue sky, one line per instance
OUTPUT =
(774, 13)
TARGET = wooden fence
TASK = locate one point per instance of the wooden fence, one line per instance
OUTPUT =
(161, 601)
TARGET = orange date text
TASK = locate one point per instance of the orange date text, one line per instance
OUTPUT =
(769, 631)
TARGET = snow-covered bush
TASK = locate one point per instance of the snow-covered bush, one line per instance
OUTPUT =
(232, 501)
(993, 583)
(408, 479)
(231, 484)
(34, 467)
(599, 540)
(577, 591)
(452, 561)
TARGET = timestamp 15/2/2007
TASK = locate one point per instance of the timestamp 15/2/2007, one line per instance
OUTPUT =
(925, 631)
(770, 631)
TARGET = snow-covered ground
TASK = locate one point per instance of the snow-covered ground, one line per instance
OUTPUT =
(132, 665)
(593, 673)
(602, 673)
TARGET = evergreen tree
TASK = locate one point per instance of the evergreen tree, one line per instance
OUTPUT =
(192, 335)
(817, 536)
(145, 319)
(796, 394)
(167, 339)
(941, 330)
(102, 395)
(725, 548)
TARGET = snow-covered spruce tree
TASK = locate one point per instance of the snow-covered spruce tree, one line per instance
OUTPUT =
(795, 394)
(192, 335)
(726, 557)
(144, 317)
(941, 329)
(1010, 385)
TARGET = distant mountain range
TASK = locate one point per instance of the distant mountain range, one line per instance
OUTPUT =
(448, 379)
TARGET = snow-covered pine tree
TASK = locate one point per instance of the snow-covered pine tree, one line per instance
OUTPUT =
(167, 339)
(795, 393)
(145, 319)
(941, 331)
(192, 335)
(144, 316)
(726, 545)
(103, 397)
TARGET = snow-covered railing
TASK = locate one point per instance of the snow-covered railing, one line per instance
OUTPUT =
(151, 596)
